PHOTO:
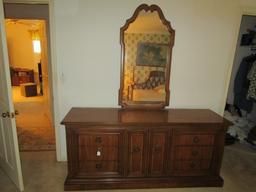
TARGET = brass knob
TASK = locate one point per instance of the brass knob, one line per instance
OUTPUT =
(194, 153)
(98, 166)
(157, 148)
(136, 149)
(98, 139)
(196, 139)
(6, 114)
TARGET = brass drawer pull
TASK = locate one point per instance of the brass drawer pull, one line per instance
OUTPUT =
(98, 166)
(98, 140)
(196, 139)
(194, 153)
(136, 149)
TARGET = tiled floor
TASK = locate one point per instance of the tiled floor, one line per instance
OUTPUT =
(42, 173)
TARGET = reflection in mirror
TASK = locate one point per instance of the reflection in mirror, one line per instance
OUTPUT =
(146, 55)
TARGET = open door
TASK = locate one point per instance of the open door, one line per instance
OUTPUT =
(9, 152)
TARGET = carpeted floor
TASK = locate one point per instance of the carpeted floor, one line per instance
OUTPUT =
(34, 129)
(35, 139)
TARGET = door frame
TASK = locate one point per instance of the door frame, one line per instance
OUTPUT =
(55, 83)
(52, 69)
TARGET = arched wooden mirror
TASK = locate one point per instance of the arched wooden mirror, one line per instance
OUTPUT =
(147, 39)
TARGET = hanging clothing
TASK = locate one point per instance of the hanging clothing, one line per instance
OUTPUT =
(252, 87)
(241, 85)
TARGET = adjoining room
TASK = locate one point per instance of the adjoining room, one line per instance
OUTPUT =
(27, 49)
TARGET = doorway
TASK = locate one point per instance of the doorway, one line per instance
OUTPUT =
(28, 60)
(10, 156)
(241, 98)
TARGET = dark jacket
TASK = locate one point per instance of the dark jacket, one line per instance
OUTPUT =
(241, 85)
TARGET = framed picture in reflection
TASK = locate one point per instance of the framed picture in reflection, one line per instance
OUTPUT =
(152, 54)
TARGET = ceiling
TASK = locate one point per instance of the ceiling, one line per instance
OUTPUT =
(31, 24)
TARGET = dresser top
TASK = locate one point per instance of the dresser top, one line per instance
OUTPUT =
(118, 116)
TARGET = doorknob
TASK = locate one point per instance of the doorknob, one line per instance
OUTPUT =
(6, 114)
(9, 115)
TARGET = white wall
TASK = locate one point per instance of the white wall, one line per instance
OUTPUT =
(20, 48)
(87, 51)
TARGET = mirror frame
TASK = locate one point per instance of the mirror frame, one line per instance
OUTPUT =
(146, 104)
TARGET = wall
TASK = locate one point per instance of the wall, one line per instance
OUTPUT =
(23, 10)
(87, 51)
(20, 48)
(45, 70)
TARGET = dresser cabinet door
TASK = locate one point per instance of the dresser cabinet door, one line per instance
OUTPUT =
(192, 152)
(99, 152)
(136, 153)
(158, 152)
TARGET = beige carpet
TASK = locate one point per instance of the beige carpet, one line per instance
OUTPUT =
(34, 129)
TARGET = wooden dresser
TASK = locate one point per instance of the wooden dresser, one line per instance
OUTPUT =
(19, 76)
(111, 148)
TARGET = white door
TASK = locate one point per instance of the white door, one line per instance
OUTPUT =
(9, 152)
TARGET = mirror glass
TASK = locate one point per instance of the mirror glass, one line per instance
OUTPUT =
(146, 47)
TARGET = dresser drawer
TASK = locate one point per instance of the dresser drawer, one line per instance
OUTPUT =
(193, 139)
(98, 153)
(97, 139)
(91, 167)
(191, 167)
(196, 152)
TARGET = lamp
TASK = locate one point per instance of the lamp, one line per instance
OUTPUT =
(36, 41)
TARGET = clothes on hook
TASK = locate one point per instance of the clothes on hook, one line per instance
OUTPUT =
(252, 87)
(242, 84)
